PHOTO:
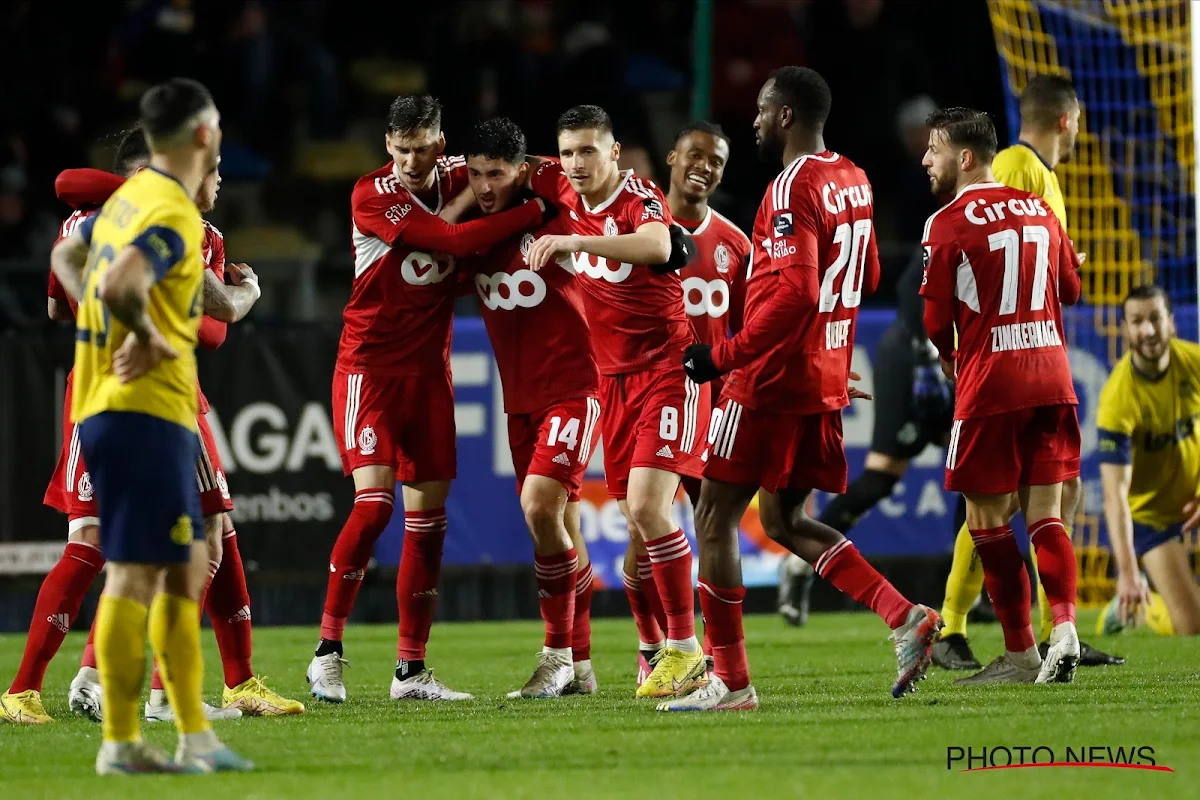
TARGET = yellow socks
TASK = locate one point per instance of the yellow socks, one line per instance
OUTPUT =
(121, 660)
(175, 636)
(962, 586)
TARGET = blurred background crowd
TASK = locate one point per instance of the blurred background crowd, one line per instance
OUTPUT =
(304, 85)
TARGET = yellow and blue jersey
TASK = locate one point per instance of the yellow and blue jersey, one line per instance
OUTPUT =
(1151, 424)
(1022, 167)
(152, 212)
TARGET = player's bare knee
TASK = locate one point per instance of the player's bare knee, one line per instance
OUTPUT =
(426, 495)
(878, 462)
(86, 534)
(650, 518)
(137, 582)
(214, 530)
(544, 519)
(714, 525)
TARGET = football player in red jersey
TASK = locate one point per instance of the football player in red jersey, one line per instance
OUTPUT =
(713, 296)
(998, 268)
(625, 254)
(393, 403)
(780, 424)
(228, 603)
(551, 396)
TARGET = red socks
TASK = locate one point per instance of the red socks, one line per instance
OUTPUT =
(351, 553)
(89, 649)
(671, 558)
(57, 605)
(722, 609)
(1007, 584)
(556, 596)
(1056, 566)
(581, 629)
(649, 630)
(417, 580)
(844, 567)
(228, 609)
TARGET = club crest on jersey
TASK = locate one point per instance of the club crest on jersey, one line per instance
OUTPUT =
(782, 224)
(721, 258)
(526, 243)
(367, 440)
(85, 488)
(223, 484)
(610, 226)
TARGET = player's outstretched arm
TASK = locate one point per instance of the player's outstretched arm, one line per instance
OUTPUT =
(649, 244)
(418, 228)
(67, 260)
(795, 295)
(1132, 592)
(457, 208)
(231, 303)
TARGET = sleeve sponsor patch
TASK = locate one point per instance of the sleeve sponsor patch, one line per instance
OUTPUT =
(782, 224)
(652, 209)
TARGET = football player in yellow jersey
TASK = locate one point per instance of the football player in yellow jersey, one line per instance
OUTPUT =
(1049, 127)
(137, 272)
(1150, 462)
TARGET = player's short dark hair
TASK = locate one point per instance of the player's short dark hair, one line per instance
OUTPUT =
(166, 107)
(498, 137)
(702, 126)
(585, 117)
(966, 127)
(1147, 291)
(131, 149)
(410, 113)
(1045, 99)
(805, 92)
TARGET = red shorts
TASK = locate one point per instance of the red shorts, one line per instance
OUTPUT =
(401, 421)
(214, 489)
(776, 451)
(70, 490)
(998, 454)
(651, 419)
(555, 442)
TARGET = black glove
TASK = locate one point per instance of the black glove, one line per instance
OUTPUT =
(683, 251)
(698, 363)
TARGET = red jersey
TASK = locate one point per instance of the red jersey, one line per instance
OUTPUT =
(814, 258)
(536, 323)
(398, 320)
(636, 315)
(55, 290)
(714, 285)
(997, 264)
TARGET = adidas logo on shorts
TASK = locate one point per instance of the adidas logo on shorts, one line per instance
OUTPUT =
(563, 458)
(665, 452)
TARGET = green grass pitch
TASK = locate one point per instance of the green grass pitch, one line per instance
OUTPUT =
(827, 727)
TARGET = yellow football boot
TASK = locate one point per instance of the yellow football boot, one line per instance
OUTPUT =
(675, 674)
(256, 700)
(24, 708)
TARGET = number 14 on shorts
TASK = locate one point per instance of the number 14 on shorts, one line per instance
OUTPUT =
(568, 434)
